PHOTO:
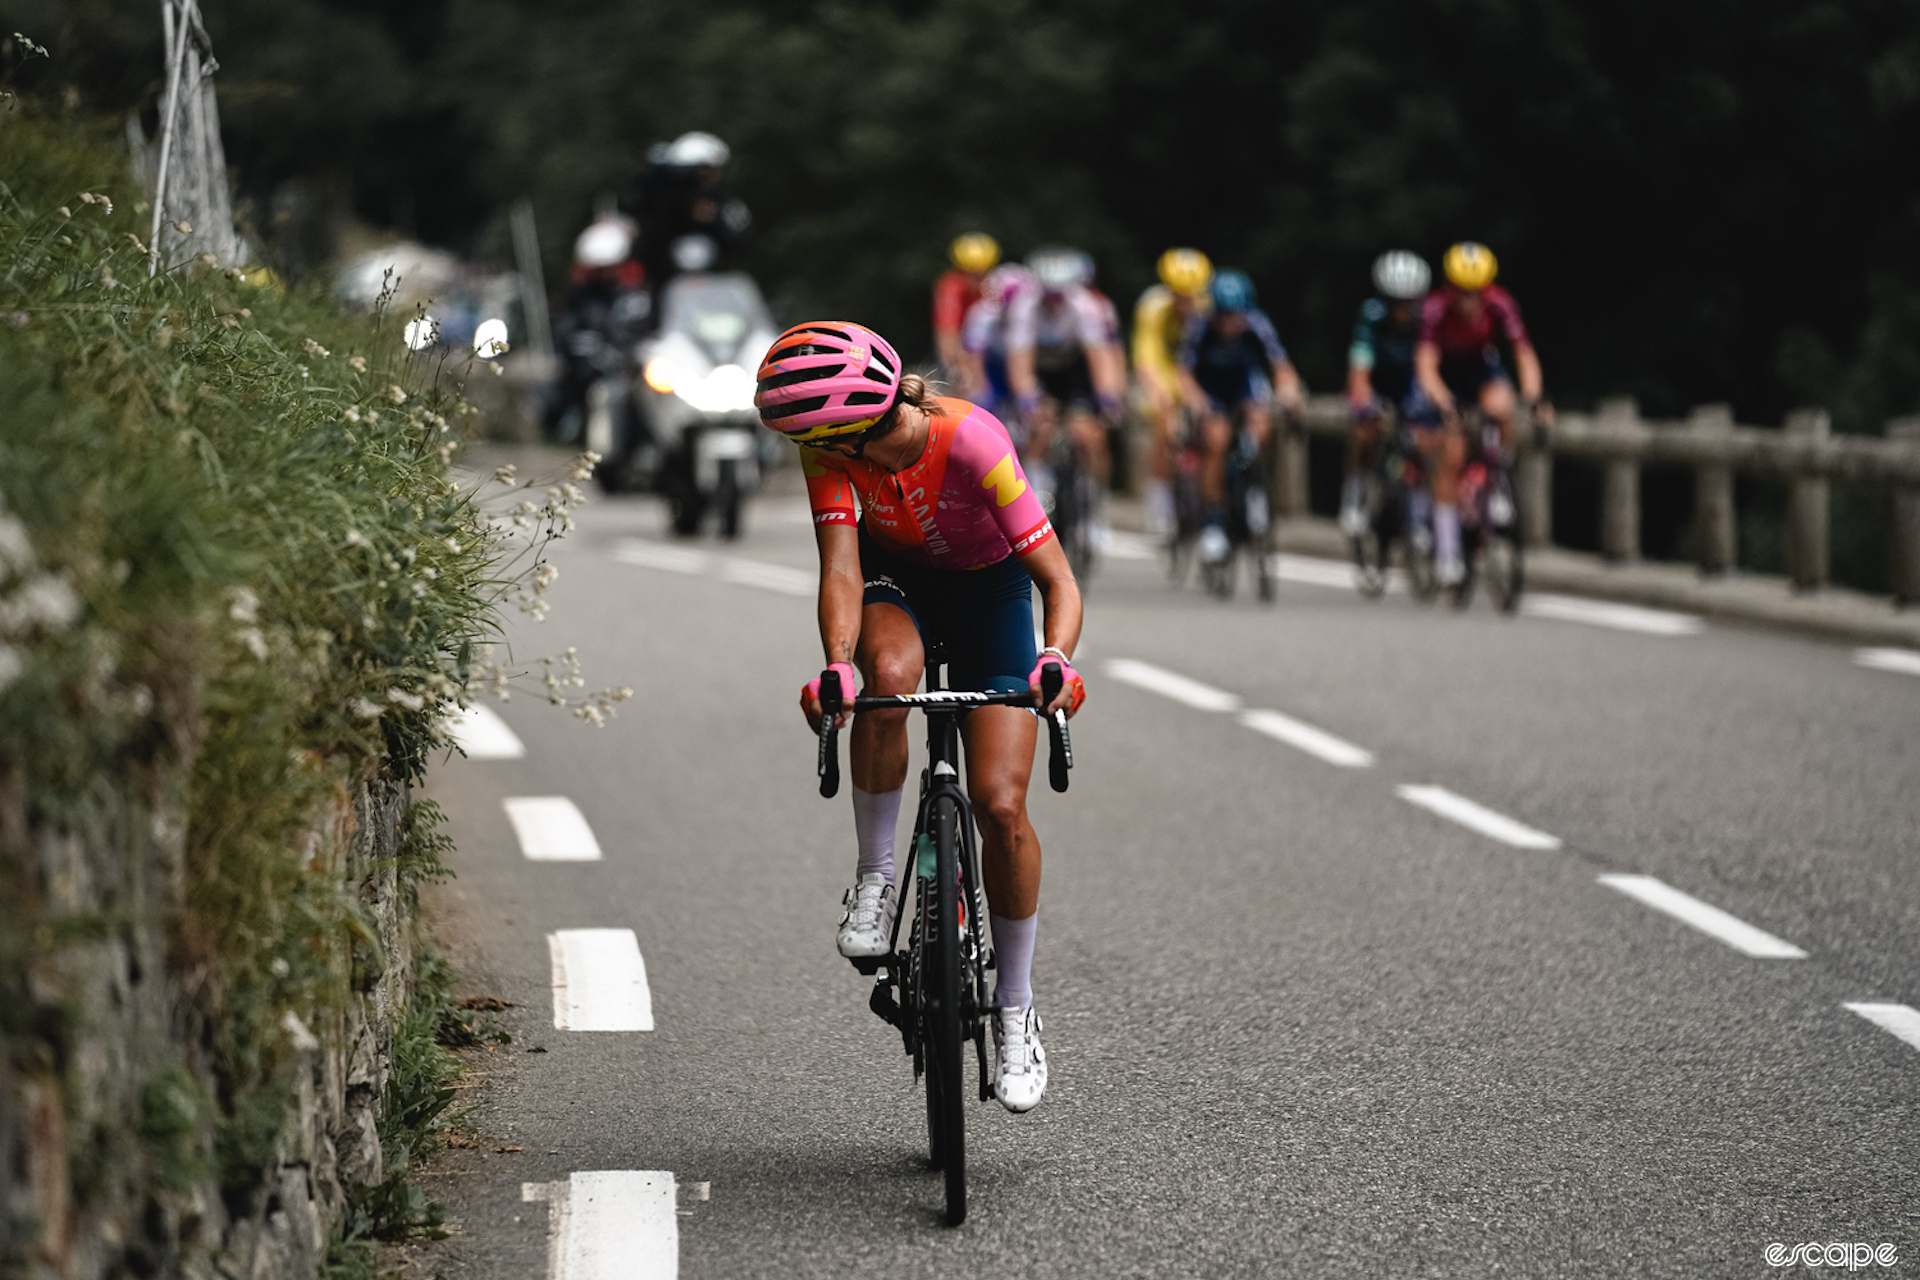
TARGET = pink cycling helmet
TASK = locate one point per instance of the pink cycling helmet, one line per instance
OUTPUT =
(827, 378)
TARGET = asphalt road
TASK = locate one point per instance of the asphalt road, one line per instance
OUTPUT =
(1298, 1023)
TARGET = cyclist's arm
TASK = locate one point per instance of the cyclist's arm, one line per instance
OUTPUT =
(1361, 358)
(1286, 379)
(1108, 369)
(841, 591)
(1047, 565)
(1426, 368)
(1286, 386)
(1359, 386)
(1526, 363)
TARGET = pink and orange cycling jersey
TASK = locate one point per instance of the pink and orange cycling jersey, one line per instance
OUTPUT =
(965, 504)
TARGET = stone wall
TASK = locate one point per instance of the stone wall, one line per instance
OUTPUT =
(105, 1125)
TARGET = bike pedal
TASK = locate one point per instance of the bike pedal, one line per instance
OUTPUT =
(884, 1006)
(870, 965)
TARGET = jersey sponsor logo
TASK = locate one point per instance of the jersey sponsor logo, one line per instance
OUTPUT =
(1005, 482)
(833, 517)
(1033, 537)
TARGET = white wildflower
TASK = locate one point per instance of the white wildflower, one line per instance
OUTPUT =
(453, 545)
(184, 228)
(303, 370)
(411, 701)
(313, 348)
(367, 710)
(46, 602)
(353, 415)
(355, 538)
(583, 466)
(303, 1040)
(504, 475)
(243, 605)
(255, 642)
(359, 363)
(16, 549)
(395, 394)
(545, 576)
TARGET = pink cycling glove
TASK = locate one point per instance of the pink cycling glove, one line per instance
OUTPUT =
(847, 683)
(1069, 680)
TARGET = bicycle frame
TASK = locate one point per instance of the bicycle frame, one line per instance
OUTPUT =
(934, 990)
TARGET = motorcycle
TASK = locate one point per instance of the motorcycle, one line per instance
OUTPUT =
(693, 435)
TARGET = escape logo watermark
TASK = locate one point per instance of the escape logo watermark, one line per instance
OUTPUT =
(1854, 1256)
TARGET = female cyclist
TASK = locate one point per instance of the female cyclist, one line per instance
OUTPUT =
(948, 544)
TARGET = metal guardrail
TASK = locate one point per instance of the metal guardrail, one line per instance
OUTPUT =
(1805, 452)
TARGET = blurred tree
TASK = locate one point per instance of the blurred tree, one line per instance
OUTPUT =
(1702, 202)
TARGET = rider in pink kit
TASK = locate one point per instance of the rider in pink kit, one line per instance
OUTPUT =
(947, 542)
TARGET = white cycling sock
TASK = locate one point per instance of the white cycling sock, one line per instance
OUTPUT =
(1350, 495)
(875, 817)
(1159, 496)
(1446, 532)
(1013, 960)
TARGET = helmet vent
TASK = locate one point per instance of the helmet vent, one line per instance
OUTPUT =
(792, 407)
(787, 379)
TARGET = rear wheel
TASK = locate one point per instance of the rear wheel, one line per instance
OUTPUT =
(945, 1088)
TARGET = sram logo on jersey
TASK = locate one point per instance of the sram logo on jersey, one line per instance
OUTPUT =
(1028, 541)
(833, 517)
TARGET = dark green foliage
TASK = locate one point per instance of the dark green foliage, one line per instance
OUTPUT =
(1696, 203)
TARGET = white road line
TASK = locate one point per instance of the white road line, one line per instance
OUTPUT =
(1600, 613)
(1904, 661)
(1705, 917)
(483, 735)
(1171, 684)
(1315, 742)
(658, 555)
(610, 1225)
(1498, 826)
(551, 829)
(1901, 1020)
(771, 577)
(599, 981)
(1313, 572)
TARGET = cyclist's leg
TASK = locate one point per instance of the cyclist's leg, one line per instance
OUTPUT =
(1216, 433)
(890, 656)
(1363, 454)
(1162, 419)
(1496, 401)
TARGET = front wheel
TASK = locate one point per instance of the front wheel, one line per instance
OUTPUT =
(941, 1011)
(1503, 571)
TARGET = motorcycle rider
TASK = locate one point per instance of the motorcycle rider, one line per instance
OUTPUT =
(688, 220)
(607, 309)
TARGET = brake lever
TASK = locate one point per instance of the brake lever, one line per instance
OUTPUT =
(1059, 745)
(831, 702)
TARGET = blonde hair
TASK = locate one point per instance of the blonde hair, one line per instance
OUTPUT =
(917, 390)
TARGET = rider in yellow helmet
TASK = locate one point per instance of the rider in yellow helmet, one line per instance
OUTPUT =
(973, 255)
(1159, 330)
(1458, 360)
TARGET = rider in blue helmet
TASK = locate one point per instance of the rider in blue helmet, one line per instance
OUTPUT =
(1232, 366)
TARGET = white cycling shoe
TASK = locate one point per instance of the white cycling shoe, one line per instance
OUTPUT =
(1451, 573)
(866, 927)
(1214, 546)
(1019, 1063)
(1353, 520)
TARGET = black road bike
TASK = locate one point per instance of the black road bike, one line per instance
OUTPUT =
(934, 989)
(1490, 542)
(1398, 510)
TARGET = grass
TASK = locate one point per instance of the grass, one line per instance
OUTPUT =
(237, 580)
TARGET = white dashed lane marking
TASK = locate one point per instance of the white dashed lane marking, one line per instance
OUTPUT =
(1477, 817)
(1304, 737)
(1898, 1019)
(1600, 613)
(551, 829)
(483, 735)
(1904, 661)
(783, 579)
(610, 1225)
(1171, 684)
(599, 981)
(1705, 917)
